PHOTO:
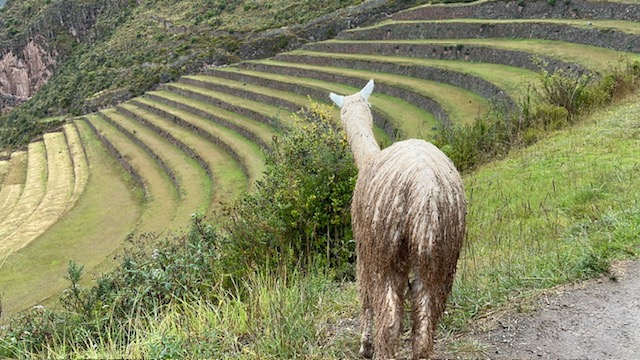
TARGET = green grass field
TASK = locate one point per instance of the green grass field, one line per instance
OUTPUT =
(37, 272)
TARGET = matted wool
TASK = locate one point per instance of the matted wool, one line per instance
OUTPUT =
(409, 214)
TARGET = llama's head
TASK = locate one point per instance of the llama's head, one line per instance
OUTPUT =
(356, 103)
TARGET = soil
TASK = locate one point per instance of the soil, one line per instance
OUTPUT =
(596, 319)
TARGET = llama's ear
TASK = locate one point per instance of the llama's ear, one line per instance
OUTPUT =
(337, 99)
(367, 90)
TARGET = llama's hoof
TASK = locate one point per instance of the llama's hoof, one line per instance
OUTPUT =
(366, 350)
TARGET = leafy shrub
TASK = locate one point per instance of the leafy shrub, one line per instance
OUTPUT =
(300, 209)
(552, 103)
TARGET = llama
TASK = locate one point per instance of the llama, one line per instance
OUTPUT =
(408, 213)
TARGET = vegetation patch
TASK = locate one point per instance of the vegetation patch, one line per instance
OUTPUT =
(38, 271)
(32, 194)
(60, 183)
(162, 198)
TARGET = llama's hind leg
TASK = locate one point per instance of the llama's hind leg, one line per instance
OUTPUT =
(365, 292)
(422, 333)
(366, 343)
(388, 316)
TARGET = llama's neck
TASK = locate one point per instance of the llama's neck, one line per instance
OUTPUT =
(358, 121)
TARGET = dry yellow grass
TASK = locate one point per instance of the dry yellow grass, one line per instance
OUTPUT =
(4, 168)
(9, 196)
(80, 166)
(60, 184)
(34, 190)
(12, 183)
(17, 169)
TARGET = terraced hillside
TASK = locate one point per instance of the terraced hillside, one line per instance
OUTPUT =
(148, 164)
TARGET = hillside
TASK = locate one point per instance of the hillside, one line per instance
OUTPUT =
(70, 57)
(215, 188)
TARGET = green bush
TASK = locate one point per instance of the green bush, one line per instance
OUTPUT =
(299, 211)
(554, 102)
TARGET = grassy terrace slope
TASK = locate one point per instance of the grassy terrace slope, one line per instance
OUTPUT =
(191, 144)
(12, 182)
(57, 197)
(160, 194)
(34, 190)
(89, 232)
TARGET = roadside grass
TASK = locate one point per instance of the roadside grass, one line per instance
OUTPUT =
(558, 211)
(461, 105)
(262, 131)
(593, 57)
(508, 78)
(38, 270)
(161, 198)
(228, 179)
(250, 154)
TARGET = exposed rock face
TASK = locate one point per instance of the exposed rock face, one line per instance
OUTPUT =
(23, 72)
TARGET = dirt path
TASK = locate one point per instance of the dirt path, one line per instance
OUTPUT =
(596, 319)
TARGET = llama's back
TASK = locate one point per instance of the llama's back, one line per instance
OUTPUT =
(409, 207)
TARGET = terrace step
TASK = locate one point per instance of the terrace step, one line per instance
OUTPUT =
(54, 203)
(79, 160)
(13, 183)
(191, 179)
(256, 132)
(452, 105)
(315, 89)
(281, 99)
(490, 81)
(616, 35)
(407, 118)
(226, 173)
(504, 52)
(90, 232)
(4, 168)
(267, 114)
(31, 196)
(531, 9)
(247, 154)
(160, 194)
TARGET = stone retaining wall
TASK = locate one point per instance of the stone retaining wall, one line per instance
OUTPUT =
(518, 9)
(471, 53)
(198, 130)
(587, 35)
(222, 104)
(205, 115)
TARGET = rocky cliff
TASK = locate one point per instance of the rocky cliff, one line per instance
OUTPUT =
(30, 56)
(24, 71)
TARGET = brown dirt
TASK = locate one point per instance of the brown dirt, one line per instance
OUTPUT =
(595, 319)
